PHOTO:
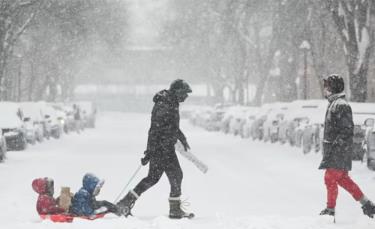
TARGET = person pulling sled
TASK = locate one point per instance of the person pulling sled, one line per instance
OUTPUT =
(160, 153)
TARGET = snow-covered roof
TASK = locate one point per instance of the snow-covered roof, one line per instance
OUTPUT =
(359, 119)
(32, 110)
(9, 117)
(364, 108)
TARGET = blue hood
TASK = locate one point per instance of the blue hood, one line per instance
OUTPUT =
(90, 181)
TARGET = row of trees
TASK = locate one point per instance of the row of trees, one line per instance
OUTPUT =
(43, 43)
(266, 43)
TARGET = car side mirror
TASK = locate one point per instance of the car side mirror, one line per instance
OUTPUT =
(47, 116)
(369, 122)
(27, 119)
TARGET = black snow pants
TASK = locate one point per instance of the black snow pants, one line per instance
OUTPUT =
(168, 163)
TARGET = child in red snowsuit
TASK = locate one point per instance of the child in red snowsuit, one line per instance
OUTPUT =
(46, 204)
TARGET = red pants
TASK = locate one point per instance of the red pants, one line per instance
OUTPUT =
(335, 177)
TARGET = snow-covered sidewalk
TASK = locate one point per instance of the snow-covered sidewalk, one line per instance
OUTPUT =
(249, 184)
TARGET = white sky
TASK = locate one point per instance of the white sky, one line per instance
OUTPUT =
(146, 19)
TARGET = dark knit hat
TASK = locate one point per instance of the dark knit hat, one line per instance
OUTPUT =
(180, 85)
(334, 83)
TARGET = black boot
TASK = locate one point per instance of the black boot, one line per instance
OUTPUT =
(175, 211)
(368, 209)
(127, 203)
(328, 211)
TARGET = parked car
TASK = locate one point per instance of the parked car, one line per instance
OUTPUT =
(12, 126)
(215, 120)
(369, 156)
(33, 120)
(257, 129)
(187, 111)
(62, 116)
(250, 116)
(301, 114)
(202, 116)
(312, 136)
(361, 112)
(3, 146)
(274, 118)
(233, 119)
(53, 125)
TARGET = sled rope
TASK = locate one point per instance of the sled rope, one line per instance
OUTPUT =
(126, 186)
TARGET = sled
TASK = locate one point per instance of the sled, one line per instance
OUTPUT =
(191, 157)
(64, 218)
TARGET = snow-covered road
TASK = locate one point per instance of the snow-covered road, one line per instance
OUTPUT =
(249, 184)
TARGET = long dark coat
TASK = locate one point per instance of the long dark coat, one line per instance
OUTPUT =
(338, 134)
(165, 126)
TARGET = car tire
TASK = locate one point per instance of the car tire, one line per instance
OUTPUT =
(23, 144)
(33, 142)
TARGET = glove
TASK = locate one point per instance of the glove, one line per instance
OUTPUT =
(186, 146)
(145, 159)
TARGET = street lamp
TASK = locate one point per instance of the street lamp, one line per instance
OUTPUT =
(305, 46)
(19, 75)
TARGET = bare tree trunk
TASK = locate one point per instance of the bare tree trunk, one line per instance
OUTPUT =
(31, 82)
(353, 23)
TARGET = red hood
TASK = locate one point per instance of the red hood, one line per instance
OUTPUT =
(40, 185)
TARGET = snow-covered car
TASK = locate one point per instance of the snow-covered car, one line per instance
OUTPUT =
(300, 115)
(215, 120)
(313, 128)
(202, 116)
(12, 126)
(257, 130)
(89, 111)
(3, 146)
(234, 119)
(62, 117)
(361, 112)
(33, 120)
(250, 116)
(273, 119)
(369, 156)
(187, 111)
(53, 125)
(31, 131)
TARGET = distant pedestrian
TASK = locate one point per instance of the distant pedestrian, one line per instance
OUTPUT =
(338, 147)
(77, 117)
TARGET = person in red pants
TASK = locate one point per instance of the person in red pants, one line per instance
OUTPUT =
(338, 147)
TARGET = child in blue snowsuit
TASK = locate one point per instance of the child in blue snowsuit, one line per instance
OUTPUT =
(84, 202)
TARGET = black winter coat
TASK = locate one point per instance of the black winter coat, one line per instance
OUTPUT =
(165, 125)
(338, 134)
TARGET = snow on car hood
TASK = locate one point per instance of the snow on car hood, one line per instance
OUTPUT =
(9, 122)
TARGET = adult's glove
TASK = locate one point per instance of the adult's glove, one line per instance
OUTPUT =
(186, 146)
(146, 158)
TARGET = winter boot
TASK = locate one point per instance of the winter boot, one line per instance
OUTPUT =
(175, 211)
(368, 208)
(126, 204)
(328, 211)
